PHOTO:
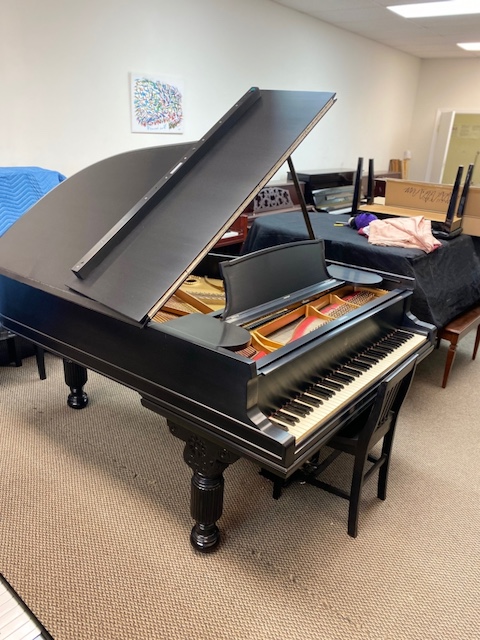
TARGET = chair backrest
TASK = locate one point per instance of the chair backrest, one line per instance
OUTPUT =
(391, 394)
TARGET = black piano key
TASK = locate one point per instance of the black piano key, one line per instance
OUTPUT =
(351, 371)
(285, 417)
(297, 409)
(377, 353)
(361, 366)
(392, 341)
(388, 348)
(342, 376)
(314, 402)
(391, 344)
(385, 350)
(320, 393)
(330, 384)
(399, 338)
(302, 406)
(365, 364)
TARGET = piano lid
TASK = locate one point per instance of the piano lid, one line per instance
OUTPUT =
(100, 235)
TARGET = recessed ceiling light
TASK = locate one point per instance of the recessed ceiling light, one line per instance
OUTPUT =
(469, 46)
(443, 8)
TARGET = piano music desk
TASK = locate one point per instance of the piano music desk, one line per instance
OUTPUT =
(454, 332)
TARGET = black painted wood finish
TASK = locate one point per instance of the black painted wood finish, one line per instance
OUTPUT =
(215, 400)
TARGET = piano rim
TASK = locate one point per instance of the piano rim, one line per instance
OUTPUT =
(294, 457)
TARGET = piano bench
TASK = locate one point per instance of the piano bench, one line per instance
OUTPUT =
(454, 331)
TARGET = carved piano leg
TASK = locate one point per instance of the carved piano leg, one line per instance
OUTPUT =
(208, 462)
(75, 378)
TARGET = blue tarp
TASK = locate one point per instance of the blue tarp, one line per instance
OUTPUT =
(20, 188)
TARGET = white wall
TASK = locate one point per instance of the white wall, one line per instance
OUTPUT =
(65, 87)
(443, 85)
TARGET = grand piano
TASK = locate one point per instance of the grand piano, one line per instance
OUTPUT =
(263, 356)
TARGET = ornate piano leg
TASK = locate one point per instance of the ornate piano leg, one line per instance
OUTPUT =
(75, 378)
(208, 462)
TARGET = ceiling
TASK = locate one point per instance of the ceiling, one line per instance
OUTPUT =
(421, 37)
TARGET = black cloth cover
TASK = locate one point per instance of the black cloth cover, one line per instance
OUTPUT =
(447, 281)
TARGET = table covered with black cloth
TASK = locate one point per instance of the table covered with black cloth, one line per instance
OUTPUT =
(447, 280)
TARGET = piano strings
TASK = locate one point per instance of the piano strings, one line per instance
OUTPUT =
(309, 317)
(200, 294)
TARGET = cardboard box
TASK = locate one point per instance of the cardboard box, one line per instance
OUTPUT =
(409, 198)
(422, 196)
(471, 225)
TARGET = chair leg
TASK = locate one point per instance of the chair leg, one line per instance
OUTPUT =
(477, 342)
(355, 494)
(40, 358)
(277, 489)
(13, 353)
(383, 471)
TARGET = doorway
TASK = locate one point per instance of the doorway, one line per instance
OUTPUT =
(456, 142)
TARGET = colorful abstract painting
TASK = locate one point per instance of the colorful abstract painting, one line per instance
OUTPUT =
(157, 104)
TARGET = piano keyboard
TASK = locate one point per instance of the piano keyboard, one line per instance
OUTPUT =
(305, 413)
(16, 621)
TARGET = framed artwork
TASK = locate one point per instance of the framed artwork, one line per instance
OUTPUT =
(156, 104)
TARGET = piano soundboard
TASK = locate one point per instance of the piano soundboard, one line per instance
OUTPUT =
(17, 622)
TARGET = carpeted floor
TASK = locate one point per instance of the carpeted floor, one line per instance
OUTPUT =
(94, 525)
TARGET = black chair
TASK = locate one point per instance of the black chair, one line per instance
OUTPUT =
(359, 436)
(14, 355)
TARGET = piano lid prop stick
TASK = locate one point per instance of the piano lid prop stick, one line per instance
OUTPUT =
(301, 199)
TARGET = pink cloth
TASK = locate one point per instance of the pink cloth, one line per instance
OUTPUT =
(412, 233)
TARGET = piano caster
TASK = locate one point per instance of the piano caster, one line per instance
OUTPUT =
(75, 378)
(208, 462)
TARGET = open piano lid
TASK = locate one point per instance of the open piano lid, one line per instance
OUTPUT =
(132, 257)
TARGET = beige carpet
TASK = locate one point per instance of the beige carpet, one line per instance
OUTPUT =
(94, 525)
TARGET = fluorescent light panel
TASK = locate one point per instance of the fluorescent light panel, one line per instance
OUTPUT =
(432, 9)
(469, 46)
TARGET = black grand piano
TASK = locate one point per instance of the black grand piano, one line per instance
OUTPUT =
(263, 356)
